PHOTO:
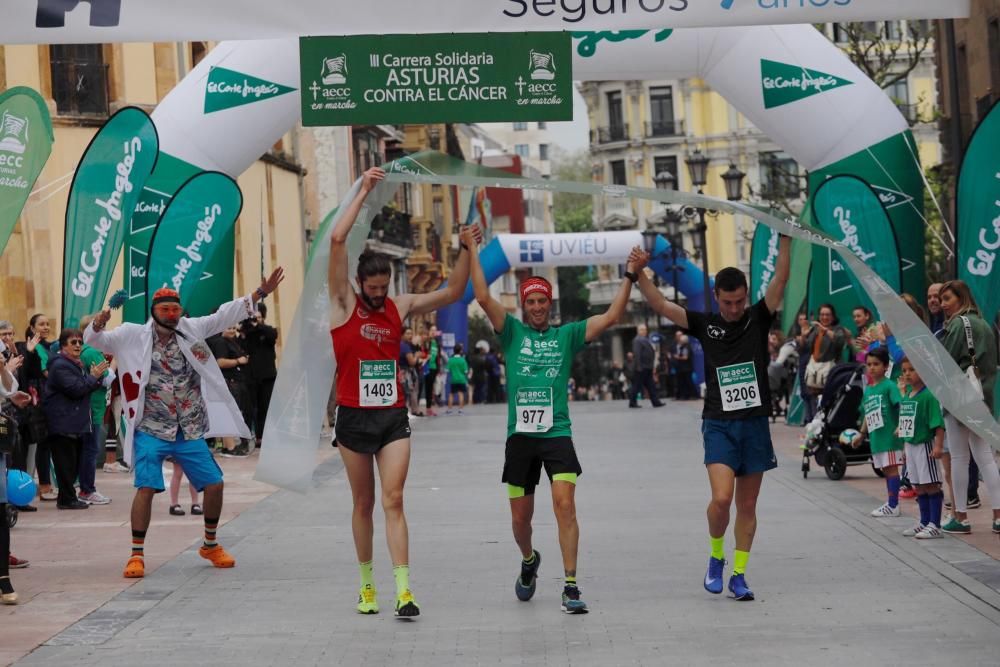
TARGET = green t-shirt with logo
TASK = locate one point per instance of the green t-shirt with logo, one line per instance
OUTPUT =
(98, 399)
(880, 410)
(458, 369)
(538, 369)
(925, 412)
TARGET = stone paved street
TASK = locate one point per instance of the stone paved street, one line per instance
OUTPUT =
(833, 585)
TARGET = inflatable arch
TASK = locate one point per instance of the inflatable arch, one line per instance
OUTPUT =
(789, 81)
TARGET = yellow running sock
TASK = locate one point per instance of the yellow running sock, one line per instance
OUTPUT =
(740, 559)
(402, 574)
(367, 579)
(718, 547)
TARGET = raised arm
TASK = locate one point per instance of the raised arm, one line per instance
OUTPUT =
(342, 295)
(495, 311)
(775, 294)
(653, 296)
(417, 304)
(597, 324)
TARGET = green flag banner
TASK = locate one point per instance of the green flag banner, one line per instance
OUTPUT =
(102, 199)
(763, 260)
(849, 210)
(198, 219)
(25, 143)
(979, 215)
(216, 284)
(892, 170)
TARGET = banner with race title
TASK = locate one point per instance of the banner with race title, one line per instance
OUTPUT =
(60, 22)
(197, 224)
(25, 144)
(102, 199)
(979, 216)
(374, 79)
(849, 210)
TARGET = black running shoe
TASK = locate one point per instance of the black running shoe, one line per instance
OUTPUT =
(571, 602)
(406, 606)
(524, 585)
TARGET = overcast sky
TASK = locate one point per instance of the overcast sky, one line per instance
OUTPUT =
(572, 135)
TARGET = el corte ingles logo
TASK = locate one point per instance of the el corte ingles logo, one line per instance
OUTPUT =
(783, 84)
(227, 89)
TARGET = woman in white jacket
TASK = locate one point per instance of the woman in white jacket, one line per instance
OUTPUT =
(173, 397)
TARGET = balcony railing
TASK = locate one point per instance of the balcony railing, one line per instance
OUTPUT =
(664, 128)
(610, 134)
(392, 226)
(80, 87)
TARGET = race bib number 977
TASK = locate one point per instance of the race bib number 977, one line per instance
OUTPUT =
(533, 408)
(377, 384)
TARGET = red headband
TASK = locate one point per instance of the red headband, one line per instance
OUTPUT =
(535, 284)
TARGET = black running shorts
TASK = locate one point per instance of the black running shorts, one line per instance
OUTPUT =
(525, 456)
(367, 430)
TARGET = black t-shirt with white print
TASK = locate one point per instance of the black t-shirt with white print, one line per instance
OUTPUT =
(729, 348)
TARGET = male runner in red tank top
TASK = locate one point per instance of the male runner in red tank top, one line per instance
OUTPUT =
(372, 426)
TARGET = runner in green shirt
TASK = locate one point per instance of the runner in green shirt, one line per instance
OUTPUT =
(458, 374)
(880, 414)
(538, 358)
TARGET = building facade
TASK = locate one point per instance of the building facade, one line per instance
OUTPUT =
(83, 85)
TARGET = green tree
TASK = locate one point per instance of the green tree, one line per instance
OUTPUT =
(573, 213)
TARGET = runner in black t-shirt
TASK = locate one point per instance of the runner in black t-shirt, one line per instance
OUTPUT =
(737, 437)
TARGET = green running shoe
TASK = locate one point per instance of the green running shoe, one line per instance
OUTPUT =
(406, 606)
(571, 602)
(367, 604)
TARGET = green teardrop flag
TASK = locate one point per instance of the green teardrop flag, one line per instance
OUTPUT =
(196, 224)
(763, 260)
(849, 210)
(106, 188)
(25, 144)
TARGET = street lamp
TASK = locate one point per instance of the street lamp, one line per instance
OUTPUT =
(733, 178)
(697, 164)
(665, 181)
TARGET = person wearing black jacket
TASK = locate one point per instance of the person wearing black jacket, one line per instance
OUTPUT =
(260, 339)
(67, 411)
(234, 362)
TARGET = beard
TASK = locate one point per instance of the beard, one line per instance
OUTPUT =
(373, 304)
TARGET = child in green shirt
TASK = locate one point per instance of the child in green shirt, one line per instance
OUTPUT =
(921, 428)
(880, 409)
(458, 370)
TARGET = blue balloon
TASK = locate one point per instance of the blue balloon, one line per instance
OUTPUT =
(20, 487)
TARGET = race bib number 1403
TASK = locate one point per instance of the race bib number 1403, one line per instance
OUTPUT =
(377, 384)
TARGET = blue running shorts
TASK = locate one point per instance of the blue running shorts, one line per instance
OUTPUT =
(742, 444)
(193, 455)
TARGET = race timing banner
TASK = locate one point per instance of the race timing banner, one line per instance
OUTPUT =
(105, 190)
(25, 144)
(62, 22)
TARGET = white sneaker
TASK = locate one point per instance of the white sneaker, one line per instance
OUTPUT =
(117, 466)
(95, 498)
(930, 532)
(912, 532)
(886, 510)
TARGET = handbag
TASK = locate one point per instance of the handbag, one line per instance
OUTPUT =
(817, 371)
(970, 372)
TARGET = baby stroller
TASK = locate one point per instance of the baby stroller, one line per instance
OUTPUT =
(839, 409)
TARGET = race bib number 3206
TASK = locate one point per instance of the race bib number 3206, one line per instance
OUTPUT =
(534, 410)
(377, 384)
(738, 386)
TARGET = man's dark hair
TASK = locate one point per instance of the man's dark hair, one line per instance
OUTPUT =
(372, 263)
(730, 279)
(66, 334)
(458, 348)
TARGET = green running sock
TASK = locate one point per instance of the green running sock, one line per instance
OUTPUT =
(718, 547)
(571, 581)
(402, 574)
(366, 574)
(740, 559)
(530, 560)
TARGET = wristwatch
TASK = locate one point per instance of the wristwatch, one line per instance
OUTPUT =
(631, 275)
